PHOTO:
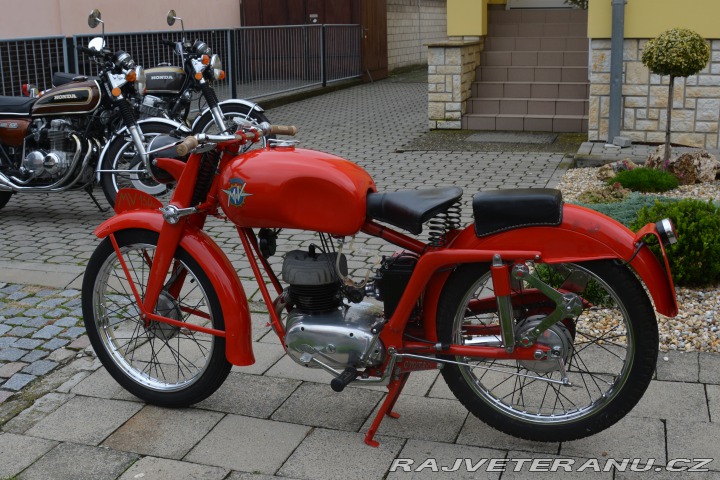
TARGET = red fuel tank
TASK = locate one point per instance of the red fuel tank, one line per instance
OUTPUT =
(285, 187)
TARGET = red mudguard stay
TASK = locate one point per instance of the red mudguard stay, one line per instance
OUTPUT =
(583, 235)
(218, 268)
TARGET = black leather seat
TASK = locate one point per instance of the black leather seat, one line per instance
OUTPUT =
(16, 105)
(500, 210)
(409, 209)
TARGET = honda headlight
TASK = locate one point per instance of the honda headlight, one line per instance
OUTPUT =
(201, 48)
(140, 80)
(216, 65)
(123, 60)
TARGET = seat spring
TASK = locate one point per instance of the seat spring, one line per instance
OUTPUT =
(442, 223)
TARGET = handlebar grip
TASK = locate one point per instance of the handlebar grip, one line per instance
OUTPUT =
(283, 130)
(89, 51)
(186, 145)
(167, 42)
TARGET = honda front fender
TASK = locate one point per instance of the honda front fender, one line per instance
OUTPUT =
(217, 267)
(234, 101)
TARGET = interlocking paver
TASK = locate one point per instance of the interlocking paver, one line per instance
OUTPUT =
(79, 462)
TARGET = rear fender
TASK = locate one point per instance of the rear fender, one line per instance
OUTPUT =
(583, 235)
(222, 275)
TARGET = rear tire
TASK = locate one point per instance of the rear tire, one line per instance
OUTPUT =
(159, 363)
(610, 352)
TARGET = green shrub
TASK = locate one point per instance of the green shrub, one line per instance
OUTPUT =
(695, 259)
(608, 194)
(625, 211)
(646, 180)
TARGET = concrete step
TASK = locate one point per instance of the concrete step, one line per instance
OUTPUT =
(532, 74)
(531, 59)
(534, 44)
(527, 123)
(501, 15)
(536, 29)
(528, 106)
(566, 90)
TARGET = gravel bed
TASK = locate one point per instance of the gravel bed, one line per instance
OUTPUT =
(696, 327)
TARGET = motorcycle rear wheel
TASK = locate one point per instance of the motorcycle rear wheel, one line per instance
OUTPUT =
(161, 364)
(121, 156)
(610, 351)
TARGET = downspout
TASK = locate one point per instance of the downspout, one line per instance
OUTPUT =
(616, 68)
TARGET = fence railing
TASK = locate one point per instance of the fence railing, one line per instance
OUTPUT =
(259, 61)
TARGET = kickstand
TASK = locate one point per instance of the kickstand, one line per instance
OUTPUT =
(89, 190)
(394, 388)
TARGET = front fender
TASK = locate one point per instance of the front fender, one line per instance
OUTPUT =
(222, 275)
(583, 235)
(232, 101)
(176, 125)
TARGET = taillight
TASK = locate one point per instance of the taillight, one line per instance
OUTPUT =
(666, 230)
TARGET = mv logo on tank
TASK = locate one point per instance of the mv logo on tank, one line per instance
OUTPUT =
(236, 193)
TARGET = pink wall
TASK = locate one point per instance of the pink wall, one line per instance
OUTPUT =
(41, 18)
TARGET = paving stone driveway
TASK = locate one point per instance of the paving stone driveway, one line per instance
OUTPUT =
(275, 418)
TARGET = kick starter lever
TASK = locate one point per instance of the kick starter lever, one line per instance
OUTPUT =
(341, 381)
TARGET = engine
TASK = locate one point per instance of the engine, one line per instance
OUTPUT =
(151, 106)
(321, 326)
(56, 147)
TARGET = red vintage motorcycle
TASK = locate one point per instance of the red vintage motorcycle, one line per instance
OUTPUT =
(535, 314)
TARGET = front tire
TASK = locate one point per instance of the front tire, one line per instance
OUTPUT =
(157, 362)
(609, 351)
(5, 198)
(206, 123)
(126, 166)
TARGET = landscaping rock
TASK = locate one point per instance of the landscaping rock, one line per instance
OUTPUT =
(609, 170)
(689, 168)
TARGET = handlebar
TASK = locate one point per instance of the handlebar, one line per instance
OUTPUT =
(290, 130)
(167, 42)
(88, 51)
(191, 142)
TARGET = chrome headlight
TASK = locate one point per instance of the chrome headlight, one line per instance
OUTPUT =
(123, 60)
(216, 65)
(201, 48)
(140, 80)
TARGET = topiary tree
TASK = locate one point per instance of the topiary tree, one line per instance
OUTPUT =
(679, 52)
(583, 4)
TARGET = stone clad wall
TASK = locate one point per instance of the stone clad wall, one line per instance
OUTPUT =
(451, 71)
(696, 102)
(411, 24)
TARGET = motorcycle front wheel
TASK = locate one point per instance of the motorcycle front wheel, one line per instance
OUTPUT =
(609, 351)
(5, 198)
(206, 123)
(122, 167)
(157, 362)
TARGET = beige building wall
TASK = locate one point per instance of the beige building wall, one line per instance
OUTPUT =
(42, 18)
(411, 25)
